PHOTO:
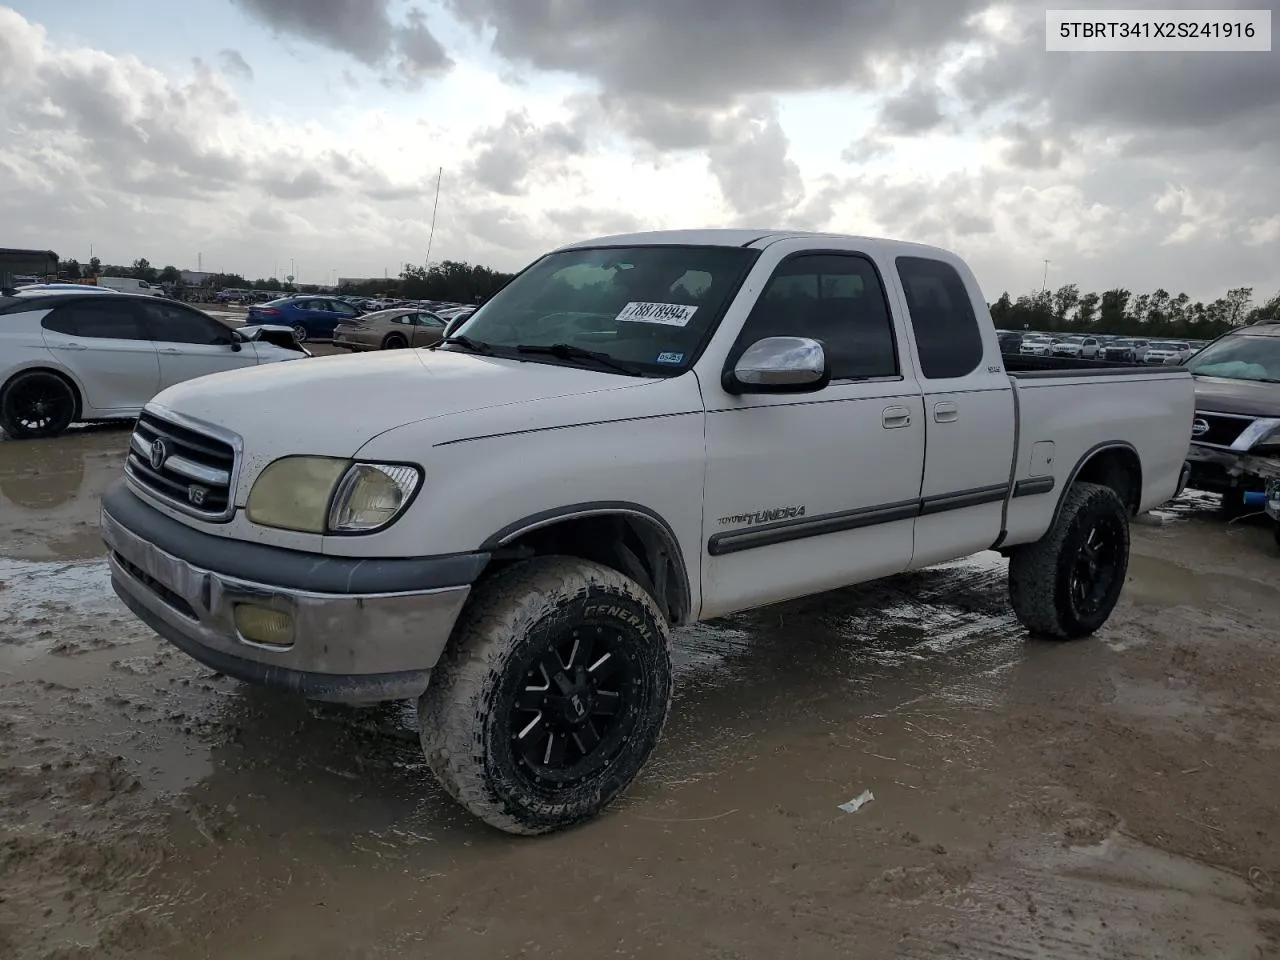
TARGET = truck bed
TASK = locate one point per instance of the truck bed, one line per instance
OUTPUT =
(1027, 366)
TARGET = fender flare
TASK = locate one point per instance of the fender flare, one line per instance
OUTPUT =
(602, 508)
(1083, 462)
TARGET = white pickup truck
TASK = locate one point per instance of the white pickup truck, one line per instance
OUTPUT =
(637, 432)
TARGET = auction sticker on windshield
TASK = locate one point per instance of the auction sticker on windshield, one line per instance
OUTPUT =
(671, 314)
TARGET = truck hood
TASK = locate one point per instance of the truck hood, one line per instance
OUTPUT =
(1246, 397)
(332, 406)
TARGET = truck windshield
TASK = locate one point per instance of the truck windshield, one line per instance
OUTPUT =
(649, 309)
(1240, 357)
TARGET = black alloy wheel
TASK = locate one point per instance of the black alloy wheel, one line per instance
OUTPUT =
(36, 404)
(1099, 561)
(571, 712)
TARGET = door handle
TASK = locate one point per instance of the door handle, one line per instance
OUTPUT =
(168, 350)
(72, 346)
(945, 412)
(894, 417)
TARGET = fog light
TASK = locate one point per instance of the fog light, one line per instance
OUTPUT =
(271, 628)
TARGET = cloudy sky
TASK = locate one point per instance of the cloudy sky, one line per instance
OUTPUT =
(255, 132)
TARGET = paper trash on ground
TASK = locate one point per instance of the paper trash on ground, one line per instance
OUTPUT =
(858, 802)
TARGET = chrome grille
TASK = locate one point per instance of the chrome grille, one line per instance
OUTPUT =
(1224, 428)
(187, 468)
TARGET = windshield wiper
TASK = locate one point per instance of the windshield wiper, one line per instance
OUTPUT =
(475, 346)
(567, 351)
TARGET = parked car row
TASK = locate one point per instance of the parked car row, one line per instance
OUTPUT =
(1100, 347)
(322, 317)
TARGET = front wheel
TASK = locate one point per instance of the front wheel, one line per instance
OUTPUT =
(1065, 585)
(551, 697)
(36, 404)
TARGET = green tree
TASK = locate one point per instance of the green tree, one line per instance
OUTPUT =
(1237, 305)
(1268, 312)
(1087, 312)
(1065, 300)
(143, 270)
(1002, 311)
(1113, 311)
(170, 274)
(95, 268)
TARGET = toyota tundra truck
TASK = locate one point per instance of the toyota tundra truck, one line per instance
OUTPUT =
(636, 433)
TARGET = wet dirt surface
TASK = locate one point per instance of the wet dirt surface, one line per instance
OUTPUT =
(1110, 798)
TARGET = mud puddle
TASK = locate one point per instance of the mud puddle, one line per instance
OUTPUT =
(1110, 798)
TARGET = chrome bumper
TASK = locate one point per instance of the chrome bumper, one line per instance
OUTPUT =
(357, 648)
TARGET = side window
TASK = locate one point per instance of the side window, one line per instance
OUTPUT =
(402, 318)
(342, 307)
(833, 298)
(175, 324)
(102, 321)
(430, 320)
(945, 327)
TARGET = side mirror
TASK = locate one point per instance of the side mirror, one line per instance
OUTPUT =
(779, 365)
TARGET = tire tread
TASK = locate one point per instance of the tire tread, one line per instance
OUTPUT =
(453, 709)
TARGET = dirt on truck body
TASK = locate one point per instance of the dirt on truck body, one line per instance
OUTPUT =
(1105, 799)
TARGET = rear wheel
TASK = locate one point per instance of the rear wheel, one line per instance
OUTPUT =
(36, 404)
(394, 341)
(300, 333)
(1065, 585)
(551, 696)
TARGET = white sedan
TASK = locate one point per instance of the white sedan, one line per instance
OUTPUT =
(68, 356)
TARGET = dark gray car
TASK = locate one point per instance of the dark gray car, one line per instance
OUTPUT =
(1235, 436)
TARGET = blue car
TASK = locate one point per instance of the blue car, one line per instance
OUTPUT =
(312, 318)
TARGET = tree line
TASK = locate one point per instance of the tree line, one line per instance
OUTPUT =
(451, 280)
(1120, 311)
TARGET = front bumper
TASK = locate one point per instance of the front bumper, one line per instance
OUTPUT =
(1219, 470)
(363, 633)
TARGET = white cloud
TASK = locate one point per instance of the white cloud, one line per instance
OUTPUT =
(955, 136)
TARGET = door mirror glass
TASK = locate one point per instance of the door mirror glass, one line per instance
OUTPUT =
(780, 365)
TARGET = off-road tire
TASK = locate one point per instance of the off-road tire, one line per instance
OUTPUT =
(17, 431)
(394, 341)
(1040, 574)
(465, 712)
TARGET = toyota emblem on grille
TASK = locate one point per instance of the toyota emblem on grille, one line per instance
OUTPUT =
(159, 454)
(1199, 427)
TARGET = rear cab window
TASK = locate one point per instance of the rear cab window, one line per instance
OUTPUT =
(947, 334)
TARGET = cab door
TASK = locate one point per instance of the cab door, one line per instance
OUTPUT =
(970, 431)
(807, 492)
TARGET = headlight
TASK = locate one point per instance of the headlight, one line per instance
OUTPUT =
(371, 495)
(294, 493)
(329, 495)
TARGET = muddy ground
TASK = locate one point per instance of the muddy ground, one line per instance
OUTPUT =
(1103, 799)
